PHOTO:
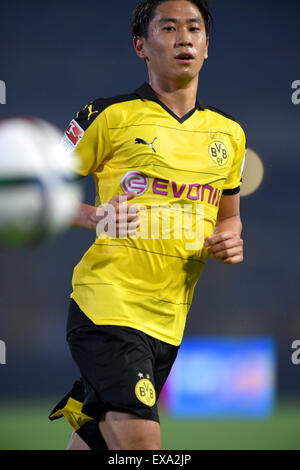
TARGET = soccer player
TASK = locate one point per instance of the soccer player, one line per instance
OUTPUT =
(157, 147)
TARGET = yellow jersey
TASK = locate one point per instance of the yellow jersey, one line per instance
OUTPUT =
(180, 168)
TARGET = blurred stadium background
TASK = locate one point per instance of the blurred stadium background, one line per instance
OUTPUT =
(55, 57)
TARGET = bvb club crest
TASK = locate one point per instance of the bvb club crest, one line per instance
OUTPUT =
(218, 152)
(144, 391)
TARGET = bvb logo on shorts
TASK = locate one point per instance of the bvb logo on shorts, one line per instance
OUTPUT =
(218, 152)
(145, 392)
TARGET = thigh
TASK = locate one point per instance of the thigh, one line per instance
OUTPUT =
(76, 443)
(124, 431)
(116, 365)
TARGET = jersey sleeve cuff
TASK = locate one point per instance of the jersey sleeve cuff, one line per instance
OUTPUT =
(231, 192)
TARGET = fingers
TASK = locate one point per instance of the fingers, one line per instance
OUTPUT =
(120, 198)
(132, 228)
(233, 260)
(118, 219)
(220, 237)
(225, 246)
(127, 227)
(229, 256)
(129, 212)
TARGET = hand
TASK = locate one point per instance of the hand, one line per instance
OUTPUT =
(225, 246)
(118, 219)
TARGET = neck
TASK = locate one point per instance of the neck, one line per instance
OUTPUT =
(181, 99)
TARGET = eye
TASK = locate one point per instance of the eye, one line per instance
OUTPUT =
(169, 28)
(194, 28)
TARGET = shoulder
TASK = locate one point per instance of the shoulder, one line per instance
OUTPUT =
(221, 112)
(96, 107)
(221, 117)
(100, 104)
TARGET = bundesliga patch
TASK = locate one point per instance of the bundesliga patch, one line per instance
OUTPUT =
(73, 135)
(145, 392)
(218, 153)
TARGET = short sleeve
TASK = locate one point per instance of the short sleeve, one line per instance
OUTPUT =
(87, 136)
(234, 179)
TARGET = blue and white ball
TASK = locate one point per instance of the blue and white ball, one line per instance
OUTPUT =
(39, 192)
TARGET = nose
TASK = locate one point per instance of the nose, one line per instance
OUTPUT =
(184, 38)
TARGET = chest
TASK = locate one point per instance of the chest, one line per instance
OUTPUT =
(181, 153)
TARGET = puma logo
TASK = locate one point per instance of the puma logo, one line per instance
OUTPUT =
(90, 109)
(144, 142)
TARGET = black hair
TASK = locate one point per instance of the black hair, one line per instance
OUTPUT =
(145, 12)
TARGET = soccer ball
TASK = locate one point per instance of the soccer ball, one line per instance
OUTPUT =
(39, 192)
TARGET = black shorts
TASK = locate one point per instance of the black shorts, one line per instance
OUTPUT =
(122, 369)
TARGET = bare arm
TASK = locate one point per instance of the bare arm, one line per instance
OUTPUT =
(226, 243)
(86, 217)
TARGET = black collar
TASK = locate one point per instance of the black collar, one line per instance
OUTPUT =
(145, 92)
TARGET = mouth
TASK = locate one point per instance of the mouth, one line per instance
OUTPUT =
(184, 58)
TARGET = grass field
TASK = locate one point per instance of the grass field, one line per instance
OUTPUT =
(24, 426)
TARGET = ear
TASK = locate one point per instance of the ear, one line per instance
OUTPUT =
(139, 46)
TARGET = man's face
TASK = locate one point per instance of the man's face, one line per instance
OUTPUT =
(177, 44)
